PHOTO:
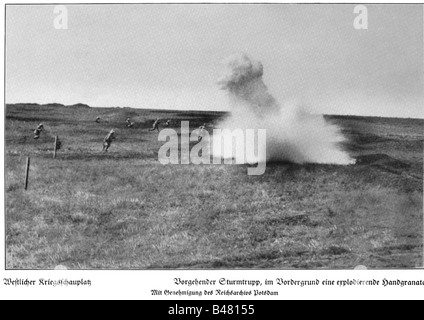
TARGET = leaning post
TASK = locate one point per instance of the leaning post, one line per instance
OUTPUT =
(27, 173)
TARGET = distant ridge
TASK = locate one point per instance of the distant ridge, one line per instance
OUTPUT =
(79, 105)
(53, 104)
(83, 105)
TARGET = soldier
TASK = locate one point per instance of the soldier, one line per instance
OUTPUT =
(129, 123)
(167, 123)
(98, 119)
(37, 131)
(58, 143)
(37, 134)
(201, 128)
(107, 141)
(155, 125)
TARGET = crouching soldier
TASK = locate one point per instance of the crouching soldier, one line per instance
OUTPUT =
(129, 123)
(37, 131)
(167, 123)
(107, 141)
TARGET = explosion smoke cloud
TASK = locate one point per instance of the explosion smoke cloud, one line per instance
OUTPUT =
(293, 134)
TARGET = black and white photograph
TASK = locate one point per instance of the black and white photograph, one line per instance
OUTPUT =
(213, 136)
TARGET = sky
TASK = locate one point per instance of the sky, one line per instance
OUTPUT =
(169, 56)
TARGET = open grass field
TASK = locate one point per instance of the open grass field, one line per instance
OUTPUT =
(124, 210)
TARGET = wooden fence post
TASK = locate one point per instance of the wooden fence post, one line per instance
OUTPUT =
(27, 173)
(55, 146)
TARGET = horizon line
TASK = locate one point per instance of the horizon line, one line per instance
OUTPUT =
(196, 110)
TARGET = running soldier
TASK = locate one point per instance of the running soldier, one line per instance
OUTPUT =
(155, 125)
(107, 141)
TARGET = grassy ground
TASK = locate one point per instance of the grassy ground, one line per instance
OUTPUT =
(123, 209)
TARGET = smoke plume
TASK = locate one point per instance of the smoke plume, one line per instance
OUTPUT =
(293, 134)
